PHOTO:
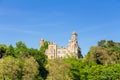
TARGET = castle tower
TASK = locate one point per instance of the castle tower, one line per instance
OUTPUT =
(72, 49)
(74, 36)
(52, 51)
(73, 46)
(41, 42)
(74, 42)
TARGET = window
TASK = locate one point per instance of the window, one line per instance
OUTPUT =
(58, 52)
(52, 57)
(58, 56)
(51, 50)
(64, 52)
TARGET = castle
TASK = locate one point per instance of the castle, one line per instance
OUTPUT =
(72, 48)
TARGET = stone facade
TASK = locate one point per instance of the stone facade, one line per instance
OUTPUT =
(54, 51)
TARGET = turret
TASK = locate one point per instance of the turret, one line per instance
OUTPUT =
(74, 36)
(41, 42)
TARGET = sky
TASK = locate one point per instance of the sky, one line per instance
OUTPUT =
(55, 20)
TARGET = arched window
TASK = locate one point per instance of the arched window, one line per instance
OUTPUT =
(58, 52)
(51, 50)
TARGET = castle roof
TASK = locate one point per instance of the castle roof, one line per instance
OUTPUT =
(74, 33)
(41, 39)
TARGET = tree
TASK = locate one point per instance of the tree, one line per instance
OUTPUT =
(30, 69)
(9, 68)
(21, 49)
(102, 43)
(18, 69)
(104, 55)
(2, 50)
(44, 47)
(58, 70)
(10, 51)
(41, 60)
(110, 43)
(21, 45)
(71, 55)
(77, 69)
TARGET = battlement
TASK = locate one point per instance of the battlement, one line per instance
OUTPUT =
(54, 51)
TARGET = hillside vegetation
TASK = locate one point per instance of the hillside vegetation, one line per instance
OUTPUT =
(102, 62)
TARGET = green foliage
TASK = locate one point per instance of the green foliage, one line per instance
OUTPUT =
(71, 55)
(2, 50)
(81, 71)
(9, 69)
(106, 53)
(41, 60)
(31, 62)
(29, 69)
(10, 51)
(21, 45)
(23, 63)
(58, 70)
(39, 57)
(79, 53)
(21, 49)
(101, 63)
(78, 70)
(44, 47)
(100, 72)
(13, 69)
(102, 43)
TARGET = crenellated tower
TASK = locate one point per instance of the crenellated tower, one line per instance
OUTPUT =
(74, 42)
(73, 46)
(41, 42)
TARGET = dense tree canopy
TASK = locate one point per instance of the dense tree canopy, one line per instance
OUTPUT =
(58, 70)
(106, 53)
(25, 63)
(102, 62)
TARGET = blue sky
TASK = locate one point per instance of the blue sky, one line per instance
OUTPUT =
(55, 20)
